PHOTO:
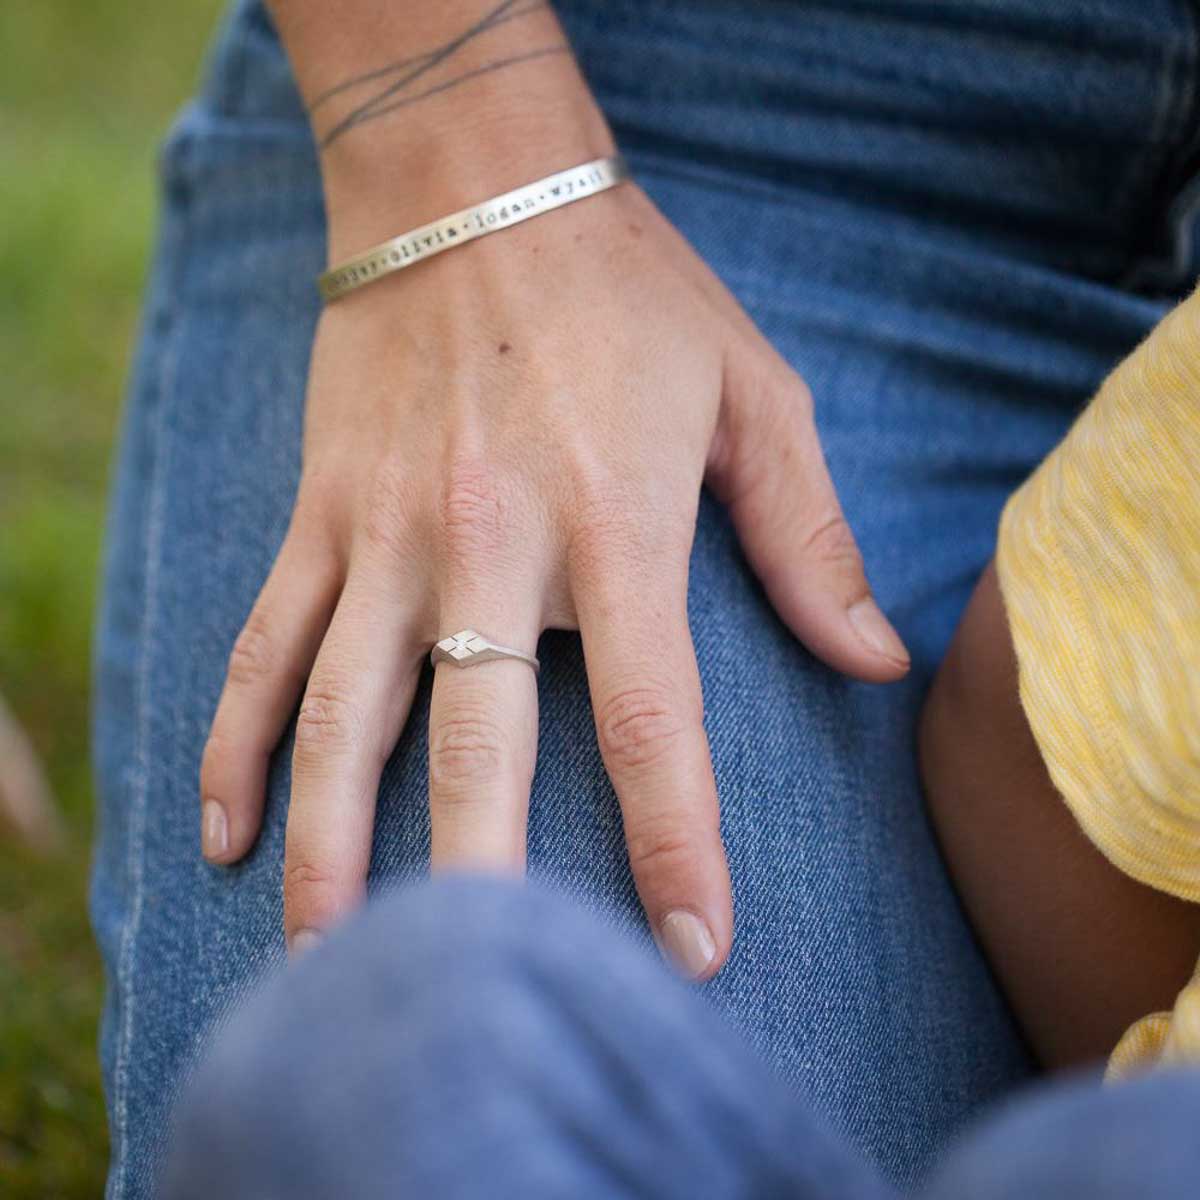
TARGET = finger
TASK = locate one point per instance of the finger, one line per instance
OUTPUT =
(483, 734)
(267, 668)
(356, 703)
(649, 713)
(491, 567)
(767, 465)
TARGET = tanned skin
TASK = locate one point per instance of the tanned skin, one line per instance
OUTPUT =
(1080, 949)
(511, 437)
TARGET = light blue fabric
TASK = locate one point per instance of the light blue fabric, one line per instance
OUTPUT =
(478, 1040)
(934, 211)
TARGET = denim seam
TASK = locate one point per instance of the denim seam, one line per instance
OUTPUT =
(173, 248)
(1185, 205)
(1176, 114)
(1169, 115)
(1186, 134)
(1182, 139)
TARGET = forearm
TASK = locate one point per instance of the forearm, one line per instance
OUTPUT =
(1081, 949)
(418, 109)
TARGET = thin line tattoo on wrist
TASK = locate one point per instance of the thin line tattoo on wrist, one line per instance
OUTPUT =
(398, 94)
(498, 16)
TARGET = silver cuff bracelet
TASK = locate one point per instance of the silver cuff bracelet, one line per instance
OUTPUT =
(511, 208)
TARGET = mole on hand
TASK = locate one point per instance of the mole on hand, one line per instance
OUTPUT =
(505, 347)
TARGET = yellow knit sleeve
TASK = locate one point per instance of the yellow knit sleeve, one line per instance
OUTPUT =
(1098, 559)
(1161, 1038)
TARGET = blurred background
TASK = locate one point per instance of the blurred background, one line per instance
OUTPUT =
(86, 91)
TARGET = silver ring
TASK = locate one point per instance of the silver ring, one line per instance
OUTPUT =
(466, 648)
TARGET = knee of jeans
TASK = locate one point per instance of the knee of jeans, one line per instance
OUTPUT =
(493, 931)
(1082, 1141)
(427, 1007)
(453, 951)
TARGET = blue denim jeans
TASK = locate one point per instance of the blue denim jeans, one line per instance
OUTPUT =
(456, 1043)
(948, 218)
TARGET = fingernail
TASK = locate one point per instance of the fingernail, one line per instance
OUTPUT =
(876, 631)
(687, 942)
(303, 940)
(214, 830)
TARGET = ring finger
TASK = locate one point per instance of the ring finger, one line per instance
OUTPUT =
(483, 729)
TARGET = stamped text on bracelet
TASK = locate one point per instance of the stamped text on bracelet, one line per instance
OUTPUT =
(498, 213)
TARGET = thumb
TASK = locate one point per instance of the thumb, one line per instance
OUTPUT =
(766, 464)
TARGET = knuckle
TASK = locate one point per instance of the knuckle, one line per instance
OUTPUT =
(775, 391)
(388, 522)
(637, 726)
(472, 510)
(607, 507)
(318, 542)
(663, 848)
(595, 489)
(309, 890)
(831, 543)
(615, 528)
(319, 522)
(253, 656)
(328, 722)
(304, 874)
(465, 749)
(322, 482)
(772, 414)
(797, 395)
(316, 497)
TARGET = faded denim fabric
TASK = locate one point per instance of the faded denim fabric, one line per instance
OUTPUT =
(454, 1042)
(940, 214)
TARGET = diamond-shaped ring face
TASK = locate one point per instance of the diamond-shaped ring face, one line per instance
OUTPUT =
(462, 645)
(468, 647)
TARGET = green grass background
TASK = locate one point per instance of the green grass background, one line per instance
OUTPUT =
(86, 90)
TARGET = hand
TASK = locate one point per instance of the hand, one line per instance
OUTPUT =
(512, 437)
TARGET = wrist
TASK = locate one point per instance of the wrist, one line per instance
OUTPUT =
(381, 182)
